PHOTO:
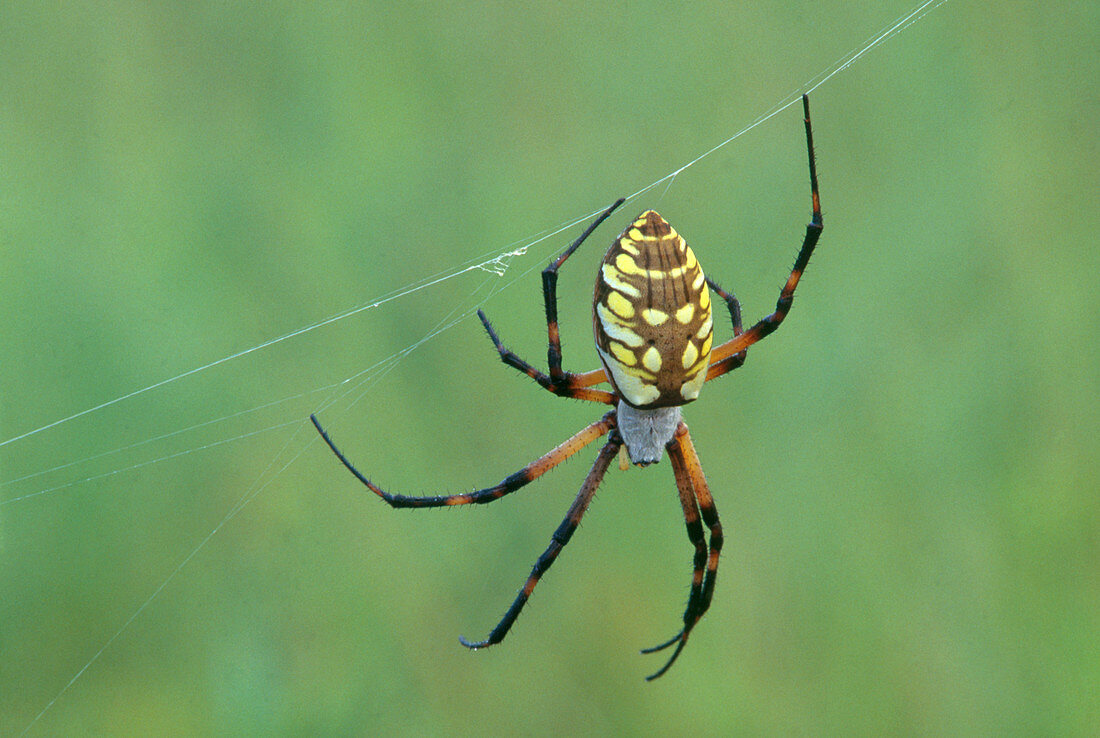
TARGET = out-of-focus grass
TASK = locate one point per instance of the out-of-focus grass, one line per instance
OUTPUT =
(906, 471)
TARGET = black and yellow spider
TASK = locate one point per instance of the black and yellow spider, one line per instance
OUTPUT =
(653, 326)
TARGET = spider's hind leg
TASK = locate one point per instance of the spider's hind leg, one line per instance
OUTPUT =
(574, 385)
(558, 381)
(768, 324)
(730, 363)
(550, 294)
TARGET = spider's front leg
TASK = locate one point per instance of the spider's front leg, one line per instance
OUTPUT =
(510, 484)
(557, 543)
(697, 502)
(558, 381)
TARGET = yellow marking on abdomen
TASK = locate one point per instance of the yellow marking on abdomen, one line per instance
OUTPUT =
(622, 353)
(615, 328)
(703, 359)
(652, 359)
(653, 316)
(689, 259)
(690, 355)
(626, 264)
(637, 391)
(690, 390)
(705, 349)
(620, 305)
(704, 329)
(685, 314)
(614, 279)
(634, 384)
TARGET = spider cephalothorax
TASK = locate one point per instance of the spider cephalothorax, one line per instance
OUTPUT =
(654, 331)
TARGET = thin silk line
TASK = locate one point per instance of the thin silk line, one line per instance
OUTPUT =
(499, 261)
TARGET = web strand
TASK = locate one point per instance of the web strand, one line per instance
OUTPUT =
(497, 264)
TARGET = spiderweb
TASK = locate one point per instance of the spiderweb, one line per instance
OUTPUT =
(282, 417)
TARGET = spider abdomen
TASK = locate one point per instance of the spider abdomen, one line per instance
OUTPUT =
(652, 315)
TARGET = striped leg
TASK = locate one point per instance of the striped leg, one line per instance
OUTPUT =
(560, 538)
(572, 389)
(529, 473)
(767, 325)
(558, 381)
(550, 294)
(730, 362)
(695, 498)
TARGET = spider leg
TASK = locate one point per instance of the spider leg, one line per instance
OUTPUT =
(559, 382)
(767, 325)
(696, 499)
(730, 362)
(560, 538)
(575, 390)
(550, 293)
(529, 473)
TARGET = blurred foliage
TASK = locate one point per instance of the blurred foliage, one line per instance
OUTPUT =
(907, 471)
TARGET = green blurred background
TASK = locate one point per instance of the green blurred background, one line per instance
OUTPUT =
(907, 471)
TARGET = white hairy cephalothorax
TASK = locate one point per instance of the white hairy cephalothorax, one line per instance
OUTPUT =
(645, 432)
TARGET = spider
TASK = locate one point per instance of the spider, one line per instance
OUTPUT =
(653, 329)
